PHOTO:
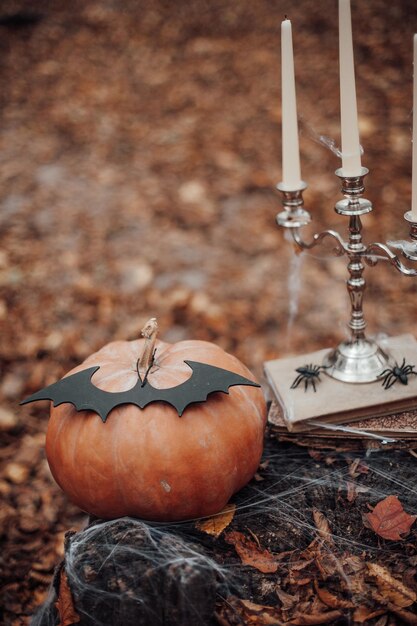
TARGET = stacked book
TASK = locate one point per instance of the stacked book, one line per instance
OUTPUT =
(344, 410)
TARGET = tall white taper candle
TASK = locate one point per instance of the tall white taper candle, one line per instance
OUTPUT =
(351, 155)
(414, 166)
(291, 176)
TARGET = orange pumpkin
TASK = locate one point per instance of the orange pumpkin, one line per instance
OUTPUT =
(151, 463)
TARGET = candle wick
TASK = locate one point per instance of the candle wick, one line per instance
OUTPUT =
(285, 16)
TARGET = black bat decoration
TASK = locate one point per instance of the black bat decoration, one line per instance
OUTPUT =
(80, 391)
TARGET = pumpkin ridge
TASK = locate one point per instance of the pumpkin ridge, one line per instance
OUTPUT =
(115, 469)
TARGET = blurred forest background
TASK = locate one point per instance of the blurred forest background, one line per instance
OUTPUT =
(140, 144)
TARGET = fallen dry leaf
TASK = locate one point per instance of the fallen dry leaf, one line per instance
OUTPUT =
(406, 616)
(364, 613)
(247, 613)
(389, 520)
(358, 467)
(306, 619)
(264, 464)
(331, 600)
(287, 600)
(215, 525)
(391, 588)
(315, 454)
(65, 603)
(351, 491)
(261, 614)
(322, 525)
(251, 554)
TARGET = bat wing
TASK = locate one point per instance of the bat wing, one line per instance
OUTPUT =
(205, 379)
(85, 396)
(79, 391)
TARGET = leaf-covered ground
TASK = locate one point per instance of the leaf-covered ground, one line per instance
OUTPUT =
(139, 149)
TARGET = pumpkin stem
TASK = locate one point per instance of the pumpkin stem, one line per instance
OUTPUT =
(146, 359)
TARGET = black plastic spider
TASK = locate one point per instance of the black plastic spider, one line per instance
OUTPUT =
(308, 374)
(398, 372)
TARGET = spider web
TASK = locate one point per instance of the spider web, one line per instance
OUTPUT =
(129, 572)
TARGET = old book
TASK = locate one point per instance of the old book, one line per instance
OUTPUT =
(388, 428)
(336, 402)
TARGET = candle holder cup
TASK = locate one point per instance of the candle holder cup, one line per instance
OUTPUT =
(359, 359)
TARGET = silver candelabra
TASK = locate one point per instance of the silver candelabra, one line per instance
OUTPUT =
(359, 359)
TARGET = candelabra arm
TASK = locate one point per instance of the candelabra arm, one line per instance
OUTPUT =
(358, 359)
(339, 250)
(380, 252)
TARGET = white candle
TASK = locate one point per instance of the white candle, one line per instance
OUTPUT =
(414, 170)
(351, 150)
(291, 176)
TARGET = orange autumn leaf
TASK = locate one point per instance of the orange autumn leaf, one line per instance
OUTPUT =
(65, 603)
(389, 520)
(216, 524)
(251, 554)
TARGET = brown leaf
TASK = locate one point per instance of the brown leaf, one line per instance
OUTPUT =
(298, 566)
(353, 563)
(322, 525)
(251, 554)
(358, 467)
(315, 454)
(406, 616)
(215, 525)
(247, 613)
(287, 600)
(65, 603)
(261, 614)
(306, 619)
(327, 564)
(351, 490)
(391, 588)
(331, 600)
(364, 613)
(389, 520)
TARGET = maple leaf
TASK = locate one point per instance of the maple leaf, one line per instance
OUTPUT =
(389, 520)
(251, 554)
(216, 524)
(65, 603)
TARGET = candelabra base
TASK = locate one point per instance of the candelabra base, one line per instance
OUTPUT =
(335, 401)
(360, 361)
